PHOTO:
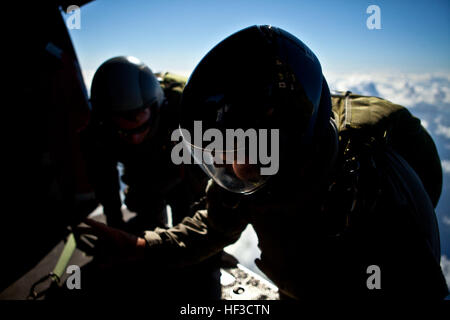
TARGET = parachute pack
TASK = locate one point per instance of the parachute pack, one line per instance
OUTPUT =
(376, 119)
(172, 85)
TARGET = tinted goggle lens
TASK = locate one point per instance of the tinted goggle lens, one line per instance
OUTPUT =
(129, 132)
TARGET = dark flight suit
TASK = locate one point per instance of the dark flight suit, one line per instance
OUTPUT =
(152, 182)
(319, 241)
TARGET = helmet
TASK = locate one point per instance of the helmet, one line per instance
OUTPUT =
(261, 77)
(124, 84)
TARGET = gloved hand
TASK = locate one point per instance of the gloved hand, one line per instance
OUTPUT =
(110, 245)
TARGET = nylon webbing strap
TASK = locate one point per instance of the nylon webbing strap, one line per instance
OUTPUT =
(65, 256)
(58, 271)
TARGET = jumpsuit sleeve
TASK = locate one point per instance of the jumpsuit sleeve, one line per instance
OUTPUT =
(196, 238)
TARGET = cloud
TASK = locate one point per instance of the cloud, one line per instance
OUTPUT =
(424, 123)
(445, 166)
(87, 76)
(442, 130)
(410, 90)
(246, 250)
(445, 265)
(446, 220)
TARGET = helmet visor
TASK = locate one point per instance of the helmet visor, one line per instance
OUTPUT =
(231, 168)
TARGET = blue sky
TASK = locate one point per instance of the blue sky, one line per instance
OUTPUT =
(175, 35)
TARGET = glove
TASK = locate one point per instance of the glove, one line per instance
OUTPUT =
(110, 245)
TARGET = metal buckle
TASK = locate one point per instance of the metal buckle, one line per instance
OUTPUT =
(34, 294)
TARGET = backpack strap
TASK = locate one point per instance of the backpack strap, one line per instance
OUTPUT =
(348, 109)
(355, 186)
(171, 81)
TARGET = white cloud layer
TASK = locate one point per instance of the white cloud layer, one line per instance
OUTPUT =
(446, 220)
(441, 130)
(445, 166)
(405, 89)
(87, 76)
(445, 265)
